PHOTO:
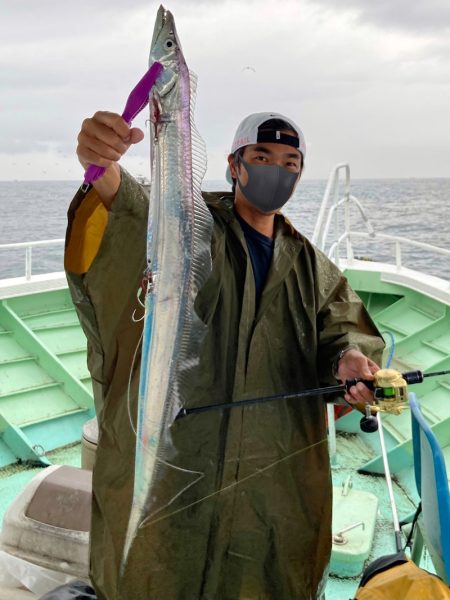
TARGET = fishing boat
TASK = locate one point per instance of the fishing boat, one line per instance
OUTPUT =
(48, 428)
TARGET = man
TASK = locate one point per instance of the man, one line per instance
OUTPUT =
(280, 317)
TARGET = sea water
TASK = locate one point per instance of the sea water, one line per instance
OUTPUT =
(418, 209)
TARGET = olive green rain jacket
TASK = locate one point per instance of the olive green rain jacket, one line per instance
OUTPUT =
(257, 526)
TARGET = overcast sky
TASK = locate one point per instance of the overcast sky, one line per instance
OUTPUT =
(367, 80)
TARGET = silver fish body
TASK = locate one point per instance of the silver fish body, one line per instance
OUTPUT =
(178, 255)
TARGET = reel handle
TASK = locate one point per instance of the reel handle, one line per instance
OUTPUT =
(369, 423)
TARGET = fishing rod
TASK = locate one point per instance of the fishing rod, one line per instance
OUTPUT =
(389, 387)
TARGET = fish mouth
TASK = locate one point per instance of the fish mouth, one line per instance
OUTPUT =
(164, 29)
(159, 24)
(166, 49)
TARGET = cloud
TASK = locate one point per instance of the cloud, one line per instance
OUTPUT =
(419, 16)
(356, 86)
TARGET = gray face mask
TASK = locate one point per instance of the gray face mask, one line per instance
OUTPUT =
(269, 187)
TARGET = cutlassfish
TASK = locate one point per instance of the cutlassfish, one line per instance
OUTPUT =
(179, 262)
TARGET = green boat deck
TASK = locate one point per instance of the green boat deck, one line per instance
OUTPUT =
(46, 396)
(420, 326)
(351, 451)
(45, 386)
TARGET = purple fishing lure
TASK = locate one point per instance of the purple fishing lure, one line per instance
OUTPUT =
(137, 100)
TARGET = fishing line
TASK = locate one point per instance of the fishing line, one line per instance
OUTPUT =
(146, 522)
(391, 349)
(130, 418)
(139, 442)
(137, 320)
(142, 304)
(387, 470)
(186, 487)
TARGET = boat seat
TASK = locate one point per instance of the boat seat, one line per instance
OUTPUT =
(63, 499)
(433, 488)
(48, 523)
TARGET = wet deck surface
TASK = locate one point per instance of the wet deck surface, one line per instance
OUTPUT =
(351, 453)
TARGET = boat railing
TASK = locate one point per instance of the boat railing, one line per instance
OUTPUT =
(28, 248)
(398, 242)
(331, 209)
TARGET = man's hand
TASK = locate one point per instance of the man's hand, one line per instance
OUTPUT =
(354, 364)
(102, 141)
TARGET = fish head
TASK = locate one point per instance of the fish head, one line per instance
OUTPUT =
(166, 49)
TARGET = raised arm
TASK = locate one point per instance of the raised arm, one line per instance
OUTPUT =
(103, 140)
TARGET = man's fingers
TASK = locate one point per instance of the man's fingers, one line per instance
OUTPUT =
(355, 364)
(97, 131)
(359, 393)
(368, 370)
(105, 138)
(100, 147)
(367, 374)
(89, 157)
(115, 123)
(373, 366)
(112, 121)
(100, 140)
(136, 136)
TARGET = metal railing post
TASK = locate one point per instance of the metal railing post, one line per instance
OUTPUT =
(28, 247)
(329, 213)
(28, 259)
(398, 256)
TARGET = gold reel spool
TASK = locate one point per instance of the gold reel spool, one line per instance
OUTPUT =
(390, 392)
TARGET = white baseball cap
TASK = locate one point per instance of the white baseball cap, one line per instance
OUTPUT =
(248, 133)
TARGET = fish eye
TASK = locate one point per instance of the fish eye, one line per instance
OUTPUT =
(169, 44)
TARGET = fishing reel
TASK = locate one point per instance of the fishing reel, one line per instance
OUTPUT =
(390, 392)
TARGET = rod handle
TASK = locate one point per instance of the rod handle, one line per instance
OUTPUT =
(351, 382)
